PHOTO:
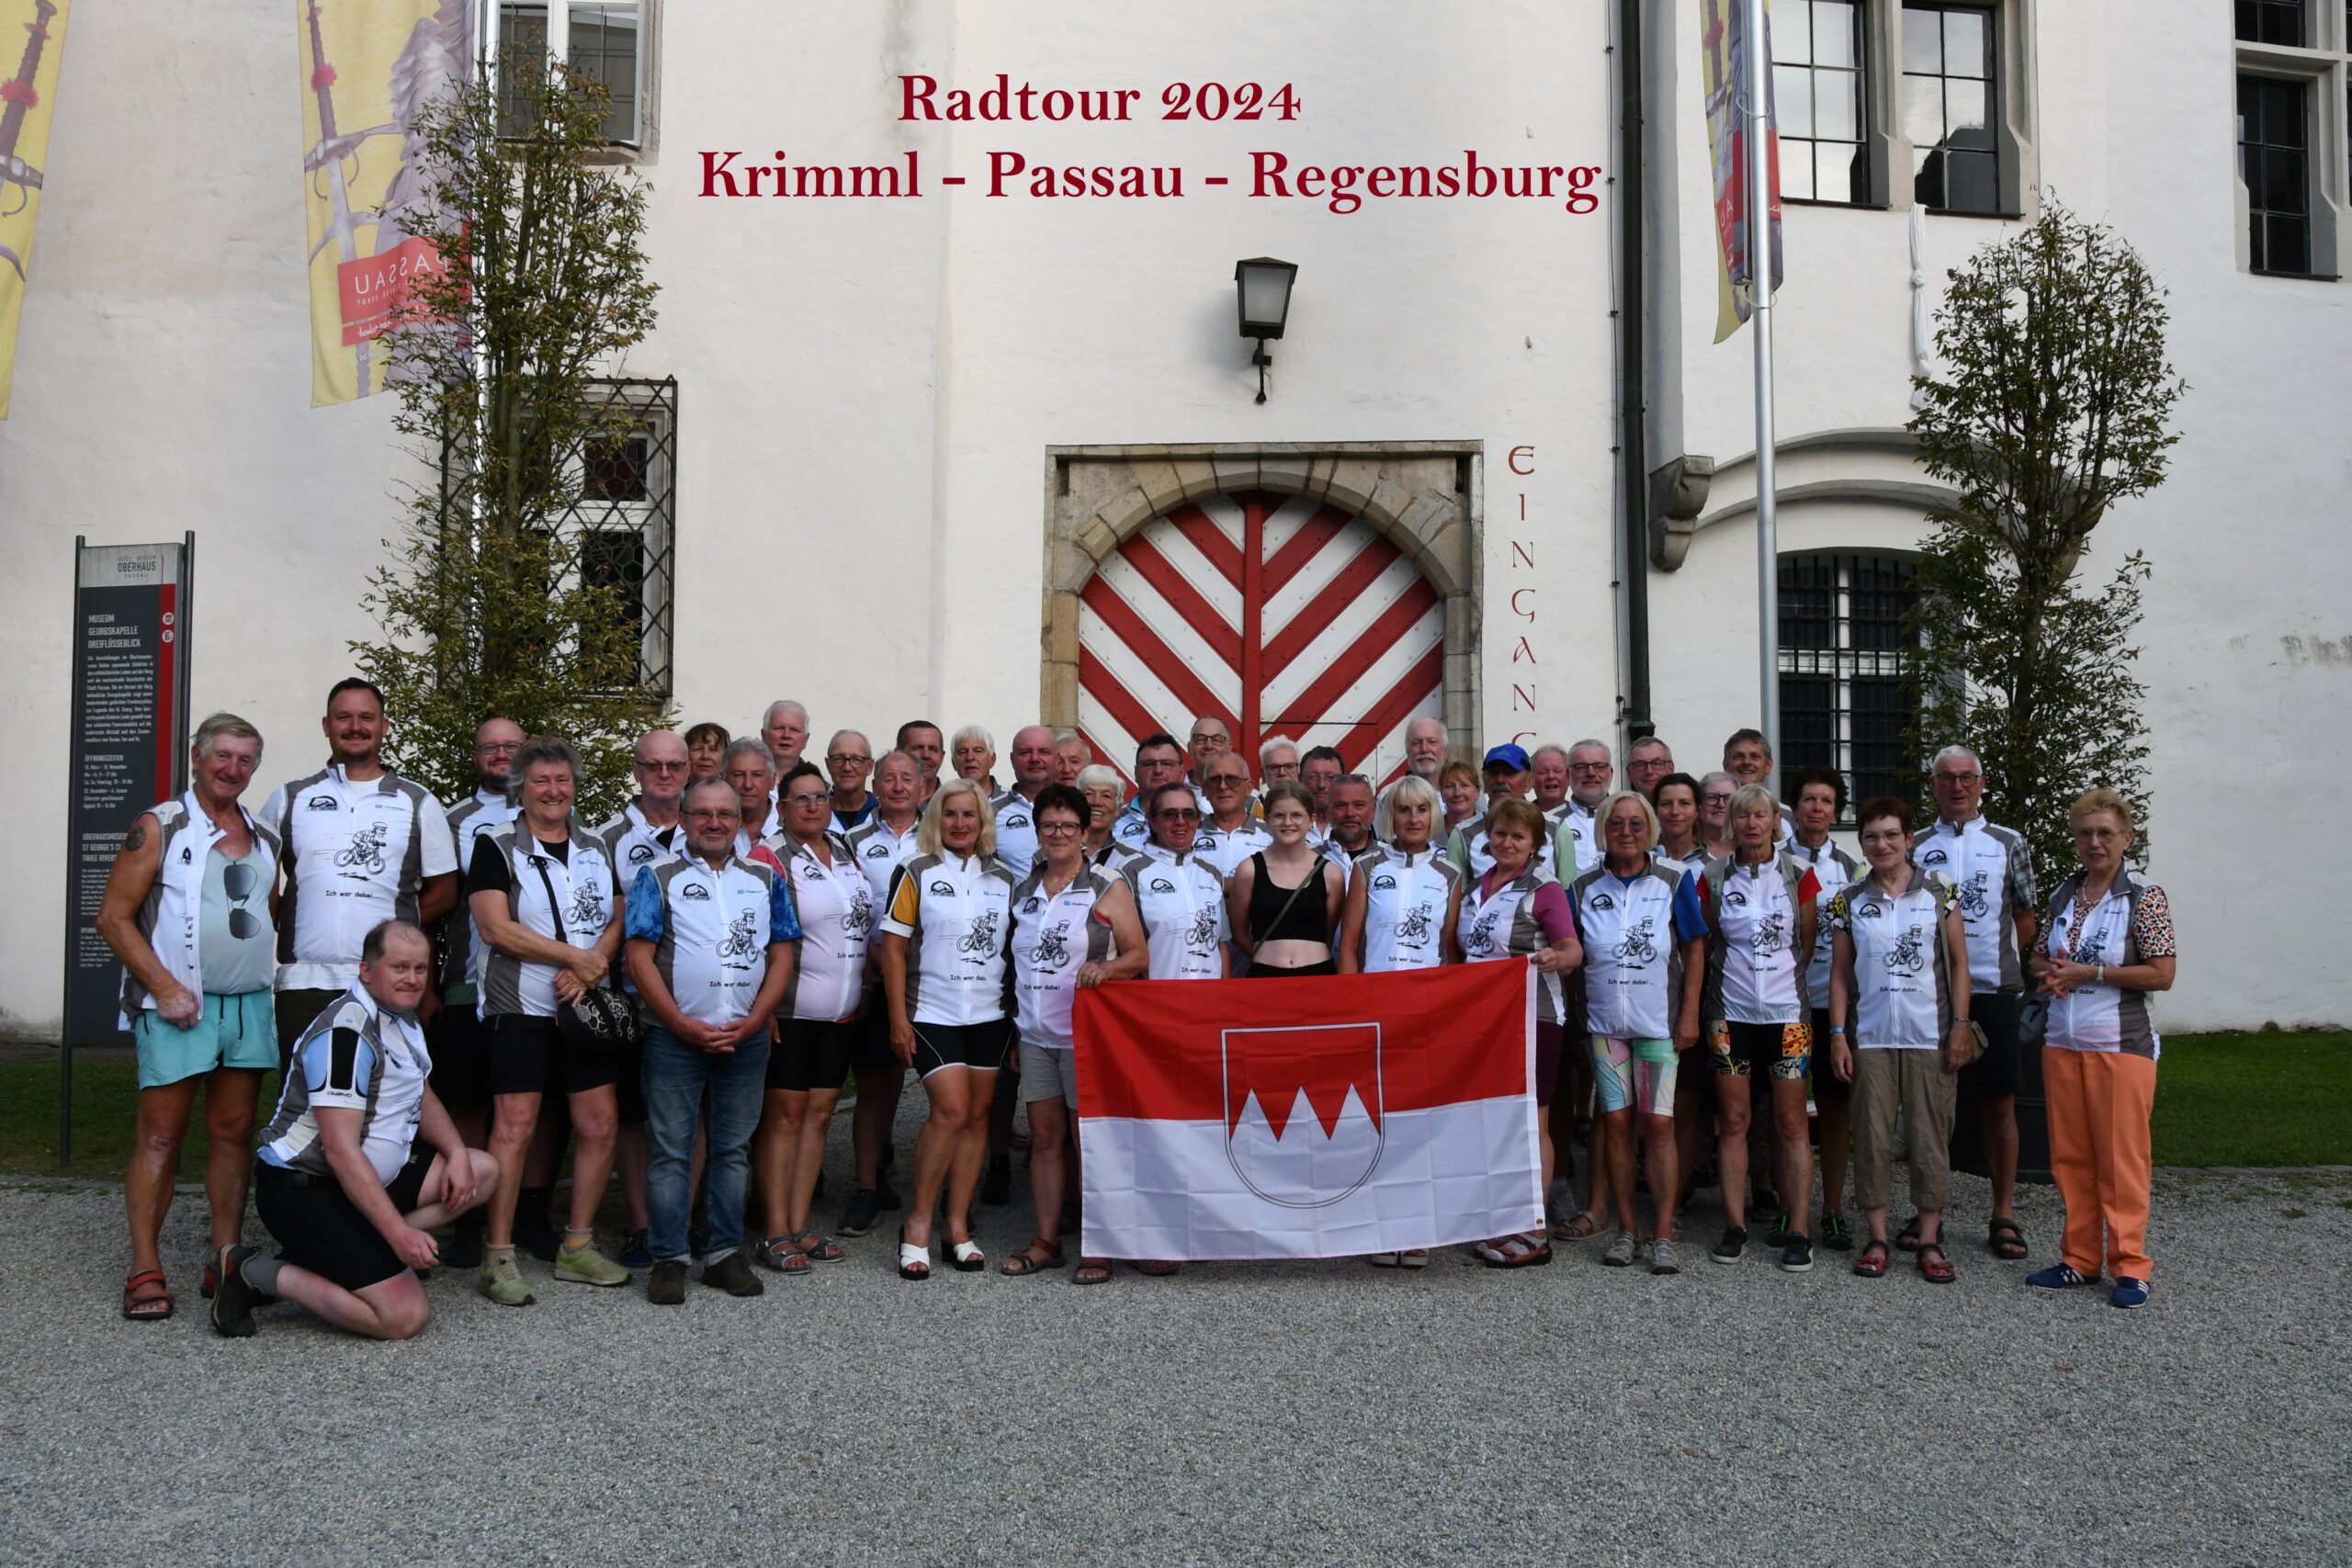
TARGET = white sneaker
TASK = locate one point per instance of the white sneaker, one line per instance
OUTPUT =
(1622, 1251)
(1662, 1258)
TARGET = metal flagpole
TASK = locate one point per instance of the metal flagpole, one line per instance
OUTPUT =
(1760, 272)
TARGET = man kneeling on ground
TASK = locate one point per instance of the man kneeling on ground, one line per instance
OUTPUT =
(339, 1180)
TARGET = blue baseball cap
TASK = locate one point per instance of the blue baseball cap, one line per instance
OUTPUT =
(1512, 756)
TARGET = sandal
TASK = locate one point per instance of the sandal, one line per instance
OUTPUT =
(783, 1254)
(1934, 1266)
(1907, 1239)
(915, 1262)
(1527, 1249)
(820, 1247)
(1871, 1262)
(1580, 1226)
(2006, 1240)
(1156, 1268)
(152, 1307)
(1093, 1271)
(968, 1256)
(1034, 1258)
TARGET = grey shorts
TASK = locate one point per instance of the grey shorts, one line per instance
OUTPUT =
(1048, 1075)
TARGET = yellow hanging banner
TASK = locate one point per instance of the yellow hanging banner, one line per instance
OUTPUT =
(367, 66)
(27, 99)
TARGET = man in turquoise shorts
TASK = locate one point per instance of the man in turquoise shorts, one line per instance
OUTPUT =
(189, 910)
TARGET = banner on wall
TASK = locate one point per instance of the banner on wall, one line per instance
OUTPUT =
(367, 66)
(1723, 37)
(27, 97)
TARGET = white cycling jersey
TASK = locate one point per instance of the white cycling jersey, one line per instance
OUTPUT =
(1405, 900)
(836, 910)
(1054, 936)
(356, 853)
(1182, 901)
(955, 912)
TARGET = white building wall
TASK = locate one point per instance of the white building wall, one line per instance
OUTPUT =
(2247, 669)
(868, 389)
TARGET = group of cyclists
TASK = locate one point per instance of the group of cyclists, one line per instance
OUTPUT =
(685, 991)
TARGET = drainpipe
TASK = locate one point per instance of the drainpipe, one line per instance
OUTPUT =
(1632, 382)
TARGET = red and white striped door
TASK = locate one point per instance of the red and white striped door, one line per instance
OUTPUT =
(1284, 615)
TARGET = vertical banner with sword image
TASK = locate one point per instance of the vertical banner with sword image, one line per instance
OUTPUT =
(27, 99)
(367, 66)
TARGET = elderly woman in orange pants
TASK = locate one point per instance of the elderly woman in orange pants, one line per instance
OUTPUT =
(2105, 945)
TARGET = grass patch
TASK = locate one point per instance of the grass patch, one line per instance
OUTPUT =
(2255, 1099)
(106, 1103)
(2227, 1100)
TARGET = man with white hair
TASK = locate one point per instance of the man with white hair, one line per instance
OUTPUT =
(784, 728)
(1998, 905)
(1071, 756)
(1425, 741)
(1277, 759)
(972, 752)
(849, 763)
(1589, 773)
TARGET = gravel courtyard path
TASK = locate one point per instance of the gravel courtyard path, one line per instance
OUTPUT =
(1273, 1414)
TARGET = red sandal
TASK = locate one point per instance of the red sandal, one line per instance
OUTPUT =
(1934, 1266)
(1872, 1261)
(155, 1308)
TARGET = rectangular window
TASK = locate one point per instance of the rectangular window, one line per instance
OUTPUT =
(2274, 151)
(1842, 650)
(1818, 98)
(1951, 106)
(2271, 21)
(602, 41)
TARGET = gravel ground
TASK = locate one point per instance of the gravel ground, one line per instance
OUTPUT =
(1310, 1413)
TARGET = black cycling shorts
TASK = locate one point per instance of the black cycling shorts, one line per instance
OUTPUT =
(461, 1057)
(811, 1052)
(981, 1046)
(319, 1227)
(2001, 1069)
(527, 1056)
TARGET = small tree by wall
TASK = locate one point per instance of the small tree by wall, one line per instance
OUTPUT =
(485, 609)
(2055, 407)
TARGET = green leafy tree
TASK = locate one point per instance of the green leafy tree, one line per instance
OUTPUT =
(498, 358)
(2054, 408)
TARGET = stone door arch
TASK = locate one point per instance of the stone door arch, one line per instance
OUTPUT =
(1325, 598)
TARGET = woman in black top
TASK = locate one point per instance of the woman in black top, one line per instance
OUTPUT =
(1285, 901)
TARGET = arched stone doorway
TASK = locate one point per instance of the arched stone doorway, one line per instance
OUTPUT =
(1326, 597)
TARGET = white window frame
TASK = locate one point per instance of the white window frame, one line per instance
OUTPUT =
(2325, 69)
(557, 15)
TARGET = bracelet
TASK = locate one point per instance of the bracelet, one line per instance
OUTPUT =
(1837, 1029)
(2103, 975)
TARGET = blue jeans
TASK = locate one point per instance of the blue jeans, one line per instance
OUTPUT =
(676, 1077)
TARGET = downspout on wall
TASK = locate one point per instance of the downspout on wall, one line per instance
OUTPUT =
(1633, 445)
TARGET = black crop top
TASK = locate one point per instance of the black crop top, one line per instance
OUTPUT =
(1302, 922)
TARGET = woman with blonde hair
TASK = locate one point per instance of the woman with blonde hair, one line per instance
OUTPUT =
(942, 948)
(2104, 943)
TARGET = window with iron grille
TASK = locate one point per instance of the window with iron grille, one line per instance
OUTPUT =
(1842, 653)
(1818, 98)
(604, 40)
(625, 519)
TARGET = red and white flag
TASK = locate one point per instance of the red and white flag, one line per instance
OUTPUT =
(1308, 1118)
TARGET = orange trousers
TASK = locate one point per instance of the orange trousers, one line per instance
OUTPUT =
(2099, 1102)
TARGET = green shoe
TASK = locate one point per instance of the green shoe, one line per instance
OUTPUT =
(586, 1265)
(1834, 1232)
(502, 1282)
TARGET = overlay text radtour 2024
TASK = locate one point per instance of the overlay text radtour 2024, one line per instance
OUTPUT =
(1342, 188)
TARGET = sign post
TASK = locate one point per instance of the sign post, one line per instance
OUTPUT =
(128, 750)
